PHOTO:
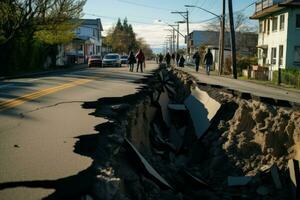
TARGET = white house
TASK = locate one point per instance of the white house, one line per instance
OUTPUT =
(88, 41)
(279, 33)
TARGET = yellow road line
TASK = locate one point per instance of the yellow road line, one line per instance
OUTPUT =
(28, 97)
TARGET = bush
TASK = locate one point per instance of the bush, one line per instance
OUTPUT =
(289, 77)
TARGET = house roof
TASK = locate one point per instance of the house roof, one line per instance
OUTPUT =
(275, 8)
(94, 22)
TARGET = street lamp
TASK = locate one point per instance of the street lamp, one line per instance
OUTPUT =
(174, 29)
(185, 15)
(221, 35)
(178, 22)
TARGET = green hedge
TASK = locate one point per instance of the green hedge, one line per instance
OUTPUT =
(289, 77)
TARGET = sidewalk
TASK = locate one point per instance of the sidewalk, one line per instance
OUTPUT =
(256, 89)
(41, 73)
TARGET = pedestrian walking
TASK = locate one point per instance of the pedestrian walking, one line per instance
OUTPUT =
(173, 59)
(160, 58)
(140, 60)
(181, 61)
(131, 60)
(196, 58)
(177, 59)
(168, 59)
(208, 60)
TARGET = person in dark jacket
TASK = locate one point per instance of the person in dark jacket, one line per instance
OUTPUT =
(131, 61)
(177, 59)
(181, 61)
(140, 60)
(160, 58)
(208, 60)
(168, 59)
(196, 58)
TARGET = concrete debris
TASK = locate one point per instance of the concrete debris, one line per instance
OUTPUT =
(176, 137)
(170, 90)
(163, 102)
(107, 186)
(276, 177)
(238, 180)
(177, 107)
(243, 155)
(86, 197)
(202, 109)
(194, 180)
(152, 172)
(294, 169)
(262, 190)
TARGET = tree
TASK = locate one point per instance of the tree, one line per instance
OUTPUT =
(122, 39)
(241, 24)
(29, 24)
(36, 15)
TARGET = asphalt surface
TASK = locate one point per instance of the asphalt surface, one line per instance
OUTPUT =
(40, 120)
(260, 90)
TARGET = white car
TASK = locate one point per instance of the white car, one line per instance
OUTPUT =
(111, 60)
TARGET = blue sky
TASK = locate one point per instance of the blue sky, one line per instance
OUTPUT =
(142, 14)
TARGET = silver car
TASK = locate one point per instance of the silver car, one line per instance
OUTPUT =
(111, 60)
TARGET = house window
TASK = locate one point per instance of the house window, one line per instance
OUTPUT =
(280, 55)
(297, 55)
(274, 24)
(281, 26)
(273, 56)
(298, 21)
(268, 27)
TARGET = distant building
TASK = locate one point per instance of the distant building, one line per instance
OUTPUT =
(279, 33)
(245, 44)
(88, 41)
(245, 41)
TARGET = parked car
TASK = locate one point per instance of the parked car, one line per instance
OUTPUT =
(124, 59)
(111, 60)
(95, 61)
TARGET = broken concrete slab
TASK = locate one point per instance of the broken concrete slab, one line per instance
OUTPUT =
(262, 190)
(177, 107)
(276, 177)
(163, 102)
(194, 180)
(238, 180)
(202, 109)
(170, 89)
(294, 170)
(176, 137)
(145, 164)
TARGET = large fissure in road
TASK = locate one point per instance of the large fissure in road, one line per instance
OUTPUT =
(179, 139)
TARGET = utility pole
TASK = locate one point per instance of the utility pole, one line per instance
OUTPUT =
(232, 33)
(188, 32)
(221, 61)
(185, 15)
(177, 46)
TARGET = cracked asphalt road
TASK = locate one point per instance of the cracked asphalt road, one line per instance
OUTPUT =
(37, 131)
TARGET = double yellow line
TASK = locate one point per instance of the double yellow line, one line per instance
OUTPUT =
(28, 97)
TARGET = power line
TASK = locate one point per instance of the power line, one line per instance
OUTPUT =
(143, 5)
(116, 18)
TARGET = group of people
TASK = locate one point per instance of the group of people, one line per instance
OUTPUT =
(139, 58)
(172, 59)
(208, 61)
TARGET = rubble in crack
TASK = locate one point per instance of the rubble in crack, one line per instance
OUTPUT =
(155, 146)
